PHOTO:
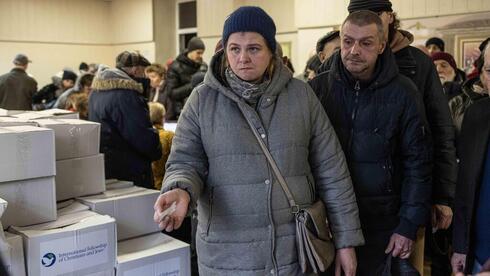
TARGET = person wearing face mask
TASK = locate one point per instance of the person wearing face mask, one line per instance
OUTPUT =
(245, 223)
(127, 139)
(180, 74)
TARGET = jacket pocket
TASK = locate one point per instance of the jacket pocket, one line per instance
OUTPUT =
(211, 198)
(388, 169)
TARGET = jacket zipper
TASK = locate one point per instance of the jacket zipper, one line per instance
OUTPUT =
(357, 87)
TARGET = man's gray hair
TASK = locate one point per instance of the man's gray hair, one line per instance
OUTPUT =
(363, 18)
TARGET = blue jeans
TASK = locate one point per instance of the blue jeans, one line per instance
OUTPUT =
(476, 267)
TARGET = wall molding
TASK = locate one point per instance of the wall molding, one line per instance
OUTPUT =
(74, 43)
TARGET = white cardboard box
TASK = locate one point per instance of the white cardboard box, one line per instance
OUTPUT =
(30, 201)
(153, 255)
(26, 152)
(13, 255)
(73, 138)
(12, 121)
(48, 113)
(80, 177)
(131, 207)
(79, 244)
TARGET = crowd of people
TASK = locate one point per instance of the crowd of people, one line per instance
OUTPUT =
(393, 138)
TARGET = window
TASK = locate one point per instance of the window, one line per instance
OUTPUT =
(186, 22)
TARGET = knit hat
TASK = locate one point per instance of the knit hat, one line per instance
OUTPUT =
(195, 44)
(445, 56)
(69, 75)
(21, 59)
(371, 5)
(131, 59)
(251, 19)
(436, 41)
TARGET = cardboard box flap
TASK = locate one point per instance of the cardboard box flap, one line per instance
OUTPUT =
(114, 193)
(63, 222)
(63, 204)
(112, 184)
(32, 115)
(20, 129)
(74, 207)
(12, 121)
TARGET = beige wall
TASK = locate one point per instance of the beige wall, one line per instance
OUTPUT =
(61, 33)
(164, 29)
(58, 33)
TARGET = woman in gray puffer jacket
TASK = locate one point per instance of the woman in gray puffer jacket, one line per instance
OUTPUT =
(245, 224)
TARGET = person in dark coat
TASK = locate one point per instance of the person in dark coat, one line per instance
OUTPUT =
(434, 45)
(471, 239)
(180, 73)
(417, 66)
(82, 85)
(127, 139)
(327, 45)
(449, 75)
(16, 87)
(376, 117)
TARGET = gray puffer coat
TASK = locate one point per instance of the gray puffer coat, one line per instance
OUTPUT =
(245, 224)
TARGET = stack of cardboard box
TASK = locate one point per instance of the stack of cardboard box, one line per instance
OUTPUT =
(79, 165)
(48, 159)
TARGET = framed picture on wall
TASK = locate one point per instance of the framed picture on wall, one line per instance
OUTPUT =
(466, 52)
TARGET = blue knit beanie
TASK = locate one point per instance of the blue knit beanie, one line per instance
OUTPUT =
(251, 19)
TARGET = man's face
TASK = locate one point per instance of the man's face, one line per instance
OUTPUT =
(387, 19)
(444, 70)
(432, 48)
(196, 55)
(485, 72)
(155, 79)
(359, 49)
(329, 48)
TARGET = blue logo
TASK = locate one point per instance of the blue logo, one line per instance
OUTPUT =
(48, 259)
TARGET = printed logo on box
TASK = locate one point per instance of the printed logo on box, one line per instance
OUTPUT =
(74, 253)
(48, 259)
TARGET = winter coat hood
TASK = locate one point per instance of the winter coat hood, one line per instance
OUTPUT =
(400, 40)
(112, 79)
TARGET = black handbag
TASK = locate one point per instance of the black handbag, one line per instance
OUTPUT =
(396, 267)
(313, 238)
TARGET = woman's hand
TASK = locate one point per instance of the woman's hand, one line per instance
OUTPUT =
(164, 201)
(346, 262)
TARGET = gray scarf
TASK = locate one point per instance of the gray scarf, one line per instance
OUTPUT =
(250, 92)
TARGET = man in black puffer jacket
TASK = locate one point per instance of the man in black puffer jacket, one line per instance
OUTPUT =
(377, 119)
(417, 66)
(179, 76)
(127, 139)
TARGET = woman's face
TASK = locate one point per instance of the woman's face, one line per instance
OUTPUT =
(155, 79)
(248, 55)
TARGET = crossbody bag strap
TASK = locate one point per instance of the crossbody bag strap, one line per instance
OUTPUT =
(270, 159)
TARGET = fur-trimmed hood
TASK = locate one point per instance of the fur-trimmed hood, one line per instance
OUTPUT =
(112, 79)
